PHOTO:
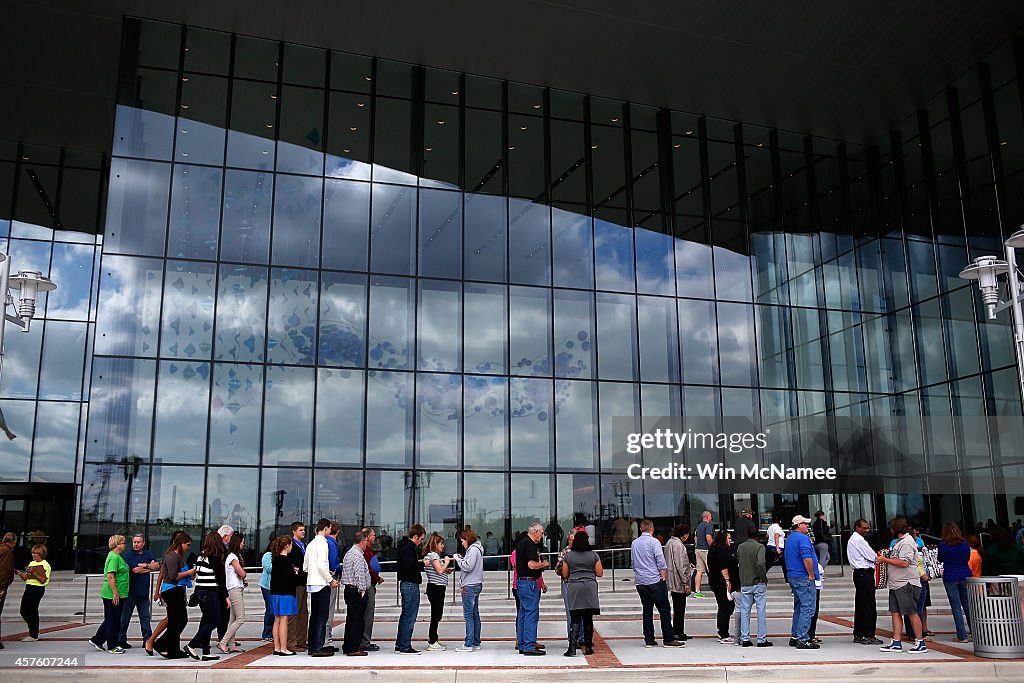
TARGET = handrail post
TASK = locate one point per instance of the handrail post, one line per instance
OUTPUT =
(613, 571)
(85, 600)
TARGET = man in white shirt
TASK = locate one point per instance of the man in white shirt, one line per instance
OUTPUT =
(862, 561)
(319, 582)
(776, 545)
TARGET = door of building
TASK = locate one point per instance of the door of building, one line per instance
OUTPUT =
(40, 513)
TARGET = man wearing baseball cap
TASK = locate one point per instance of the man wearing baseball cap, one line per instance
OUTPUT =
(801, 573)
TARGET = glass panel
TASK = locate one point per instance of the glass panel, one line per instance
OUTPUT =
(284, 498)
(613, 256)
(484, 431)
(485, 237)
(438, 403)
(176, 501)
(348, 140)
(572, 244)
(231, 498)
(236, 410)
(438, 505)
(440, 323)
(288, 416)
(693, 268)
(137, 207)
(575, 424)
(529, 331)
(441, 145)
(63, 361)
(338, 495)
(698, 343)
(187, 327)
(20, 416)
(206, 51)
(71, 268)
(251, 135)
(291, 329)
(56, 442)
(389, 503)
(241, 313)
(144, 126)
(392, 162)
(182, 399)
(339, 417)
(393, 230)
(617, 400)
(389, 418)
(485, 509)
(201, 120)
(486, 328)
(300, 144)
(532, 426)
(574, 334)
(655, 265)
(616, 337)
(392, 313)
(21, 371)
(256, 58)
(578, 502)
(736, 345)
(659, 350)
(529, 243)
(343, 319)
(483, 149)
(531, 501)
(120, 408)
(245, 234)
(440, 234)
(297, 221)
(129, 306)
(346, 224)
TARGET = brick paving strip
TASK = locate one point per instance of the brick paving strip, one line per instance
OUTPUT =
(964, 655)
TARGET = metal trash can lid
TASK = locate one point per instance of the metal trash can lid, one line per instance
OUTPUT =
(992, 579)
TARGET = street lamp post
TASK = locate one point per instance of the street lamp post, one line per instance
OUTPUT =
(986, 270)
(30, 282)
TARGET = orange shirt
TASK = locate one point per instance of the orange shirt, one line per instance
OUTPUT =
(975, 562)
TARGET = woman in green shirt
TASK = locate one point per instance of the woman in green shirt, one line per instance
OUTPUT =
(115, 571)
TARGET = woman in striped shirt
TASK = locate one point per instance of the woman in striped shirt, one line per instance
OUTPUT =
(437, 582)
(212, 594)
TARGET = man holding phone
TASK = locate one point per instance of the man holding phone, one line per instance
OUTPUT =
(529, 568)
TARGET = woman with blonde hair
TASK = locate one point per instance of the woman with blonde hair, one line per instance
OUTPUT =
(437, 583)
(35, 576)
(115, 571)
(234, 580)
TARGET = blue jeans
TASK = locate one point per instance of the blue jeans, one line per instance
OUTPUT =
(471, 613)
(804, 594)
(319, 606)
(211, 604)
(106, 634)
(268, 615)
(529, 614)
(131, 603)
(410, 609)
(957, 594)
(651, 596)
(758, 593)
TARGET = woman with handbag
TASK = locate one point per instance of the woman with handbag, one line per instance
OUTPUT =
(234, 579)
(211, 593)
(176, 577)
(35, 576)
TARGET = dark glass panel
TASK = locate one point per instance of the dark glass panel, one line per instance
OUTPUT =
(526, 157)
(438, 420)
(207, 51)
(300, 138)
(288, 416)
(338, 495)
(245, 234)
(525, 99)
(531, 424)
(33, 217)
(578, 502)
(342, 319)
(159, 43)
(236, 410)
(486, 509)
(346, 224)
(187, 325)
(529, 331)
(931, 352)
(440, 146)
(572, 245)
(241, 313)
(129, 307)
(79, 204)
(182, 405)
(253, 115)
(393, 230)
(483, 92)
(440, 234)
(351, 72)
(389, 501)
(568, 165)
(485, 437)
(959, 315)
(389, 418)
(808, 347)
(574, 334)
(232, 498)
(486, 332)
(339, 417)
(202, 118)
(348, 136)
(195, 213)
(575, 424)
(284, 498)
(144, 124)
(484, 153)
(484, 237)
(56, 442)
(532, 498)
(137, 207)
(256, 58)
(659, 349)
(616, 337)
(392, 323)
(304, 65)
(296, 233)
(120, 408)
(392, 160)
(921, 257)
(63, 360)
(394, 79)
(440, 326)
(529, 243)
(441, 86)
(292, 317)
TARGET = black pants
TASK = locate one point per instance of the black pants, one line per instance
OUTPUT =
(678, 614)
(169, 641)
(814, 619)
(435, 594)
(865, 613)
(319, 607)
(651, 596)
(774, 557)
(587, 620)
(106, 634)
(355, 607)
(725, 609)
(212, 606)
(30, 608)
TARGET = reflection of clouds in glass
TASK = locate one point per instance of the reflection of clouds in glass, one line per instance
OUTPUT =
(21, 361)
(388, 417)
(439, 323)
(71, 268)
(60, 376)
(572, 244)
(693, 269)
(291, 333)
(241, 313)
(187, 329)
(235, 411)
(736, 344)
(574, 423)
(20, 417)
(616, 337)
(120, 408)
(182, 403)
(531, 422)
(439, 403)
(654, 262)
(697, 337)
(390, 317)
(529, 331)
(56, 442)
(343, 167)
(613, 249)
(129, 306)
(288, 416)
(484, 339)
(342, 319)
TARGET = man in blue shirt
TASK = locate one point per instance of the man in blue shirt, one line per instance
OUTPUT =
(649, 570)
(801, 573)
(702, 539)
(141, 562)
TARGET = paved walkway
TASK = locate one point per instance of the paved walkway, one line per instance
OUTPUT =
(620, 655)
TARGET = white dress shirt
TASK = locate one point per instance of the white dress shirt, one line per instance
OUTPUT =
(860, 553)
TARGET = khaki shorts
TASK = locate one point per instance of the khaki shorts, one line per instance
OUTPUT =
(903, 600)
(702, 561)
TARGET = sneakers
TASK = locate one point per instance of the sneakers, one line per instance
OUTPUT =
(477, 647)
(675, 643)
(894, 646)
(793, 642)
(650, 645)
(191, 652)
(406, 651)
(961, 640)
(807, 645)
(370, 647)
(729, 640)
(29, 639)
(697, 595)
(116, 651)
(747, 643)
(534, 653)
(439, 647)
(920, 647)
(464, 648)
(97, 645)
(765, 643)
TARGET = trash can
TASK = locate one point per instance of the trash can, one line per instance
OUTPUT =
(997, 623)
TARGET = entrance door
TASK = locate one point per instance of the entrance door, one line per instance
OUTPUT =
(40, 513)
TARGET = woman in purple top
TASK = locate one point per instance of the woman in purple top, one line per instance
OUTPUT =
(955, 553)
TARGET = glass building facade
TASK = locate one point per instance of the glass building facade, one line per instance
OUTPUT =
(309, 283)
